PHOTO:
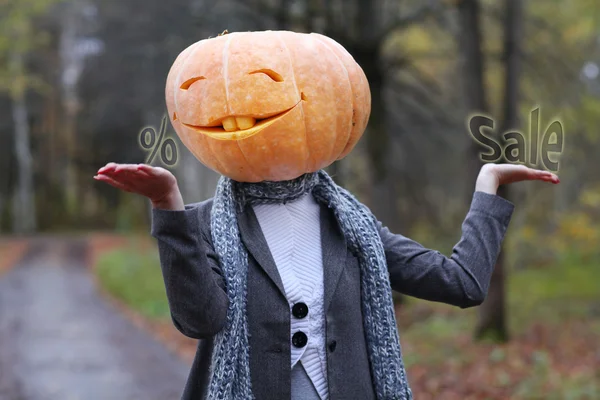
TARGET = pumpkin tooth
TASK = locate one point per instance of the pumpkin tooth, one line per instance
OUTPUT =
(245, 122)
(229, 124)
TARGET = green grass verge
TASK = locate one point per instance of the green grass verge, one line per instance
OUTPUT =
(569, 288)
(134, 277)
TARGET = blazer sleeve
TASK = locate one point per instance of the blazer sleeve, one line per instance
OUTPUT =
(193, 279)
(462, 279)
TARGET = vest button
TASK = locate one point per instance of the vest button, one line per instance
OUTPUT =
(300, 310)
(299, 339)
(332, 346)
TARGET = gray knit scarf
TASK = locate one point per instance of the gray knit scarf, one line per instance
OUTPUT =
(230, 368)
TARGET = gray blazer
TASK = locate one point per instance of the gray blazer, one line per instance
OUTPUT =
(198, 303)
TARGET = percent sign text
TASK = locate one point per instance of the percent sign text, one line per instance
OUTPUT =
(168, 147)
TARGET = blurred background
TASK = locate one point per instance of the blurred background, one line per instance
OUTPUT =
(83, 312)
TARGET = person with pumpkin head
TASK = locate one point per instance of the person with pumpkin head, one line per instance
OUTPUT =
(284, 276)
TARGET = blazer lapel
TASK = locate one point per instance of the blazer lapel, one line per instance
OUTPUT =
(256, 244)
(334, 253)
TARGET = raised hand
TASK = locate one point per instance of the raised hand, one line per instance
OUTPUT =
(493, 175)
(156, 183)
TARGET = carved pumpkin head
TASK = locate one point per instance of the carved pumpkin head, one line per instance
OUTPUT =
(271, 105)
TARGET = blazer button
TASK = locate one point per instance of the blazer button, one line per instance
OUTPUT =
(299, 339)
(332, 346)
(300, 310)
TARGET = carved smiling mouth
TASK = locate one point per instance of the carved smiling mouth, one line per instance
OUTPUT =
(236, 128)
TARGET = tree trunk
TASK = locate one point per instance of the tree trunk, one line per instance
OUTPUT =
(470, 43)
(492, 316)
(382, 194)
(492, 320)
(24, 215)
(382, 197)
(282, 16)
(72, 60)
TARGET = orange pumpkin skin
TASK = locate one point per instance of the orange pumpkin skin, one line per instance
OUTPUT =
(310, 100)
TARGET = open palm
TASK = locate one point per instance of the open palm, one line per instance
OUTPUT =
(494, 175)
(156, 183)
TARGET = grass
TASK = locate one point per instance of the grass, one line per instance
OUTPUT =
(132, 275)
(553, 314)
(566, 289)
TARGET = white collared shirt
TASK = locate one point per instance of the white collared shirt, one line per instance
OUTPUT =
(293, 234)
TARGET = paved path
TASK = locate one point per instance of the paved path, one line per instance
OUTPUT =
(59, 340)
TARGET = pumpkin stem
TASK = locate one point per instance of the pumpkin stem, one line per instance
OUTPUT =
(225, 32)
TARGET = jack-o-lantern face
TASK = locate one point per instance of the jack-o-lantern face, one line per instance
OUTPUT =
(269, 105)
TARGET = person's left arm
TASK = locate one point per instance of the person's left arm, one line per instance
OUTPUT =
(463, 278)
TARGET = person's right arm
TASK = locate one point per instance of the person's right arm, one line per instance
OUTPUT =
(194, 284)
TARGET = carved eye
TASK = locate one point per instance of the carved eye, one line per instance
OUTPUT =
(186, 85)
(270, 73)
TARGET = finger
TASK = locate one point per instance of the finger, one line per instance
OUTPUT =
(152, 171)
(108, 167)
(148, 169)
(537, 174)
(512, 167)
(129, 172)
(117, 169)
(111, 172)
(143, 173)
(523, 172)
(125, 177)
(510, 173)
(545, 176)
(511, 170)
(113, 182)
(550, 177)
(126, 168)
(540, 175)
(553, 178)
(130, 175)
(108, 175)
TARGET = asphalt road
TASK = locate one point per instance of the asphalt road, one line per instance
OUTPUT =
(59, 339)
